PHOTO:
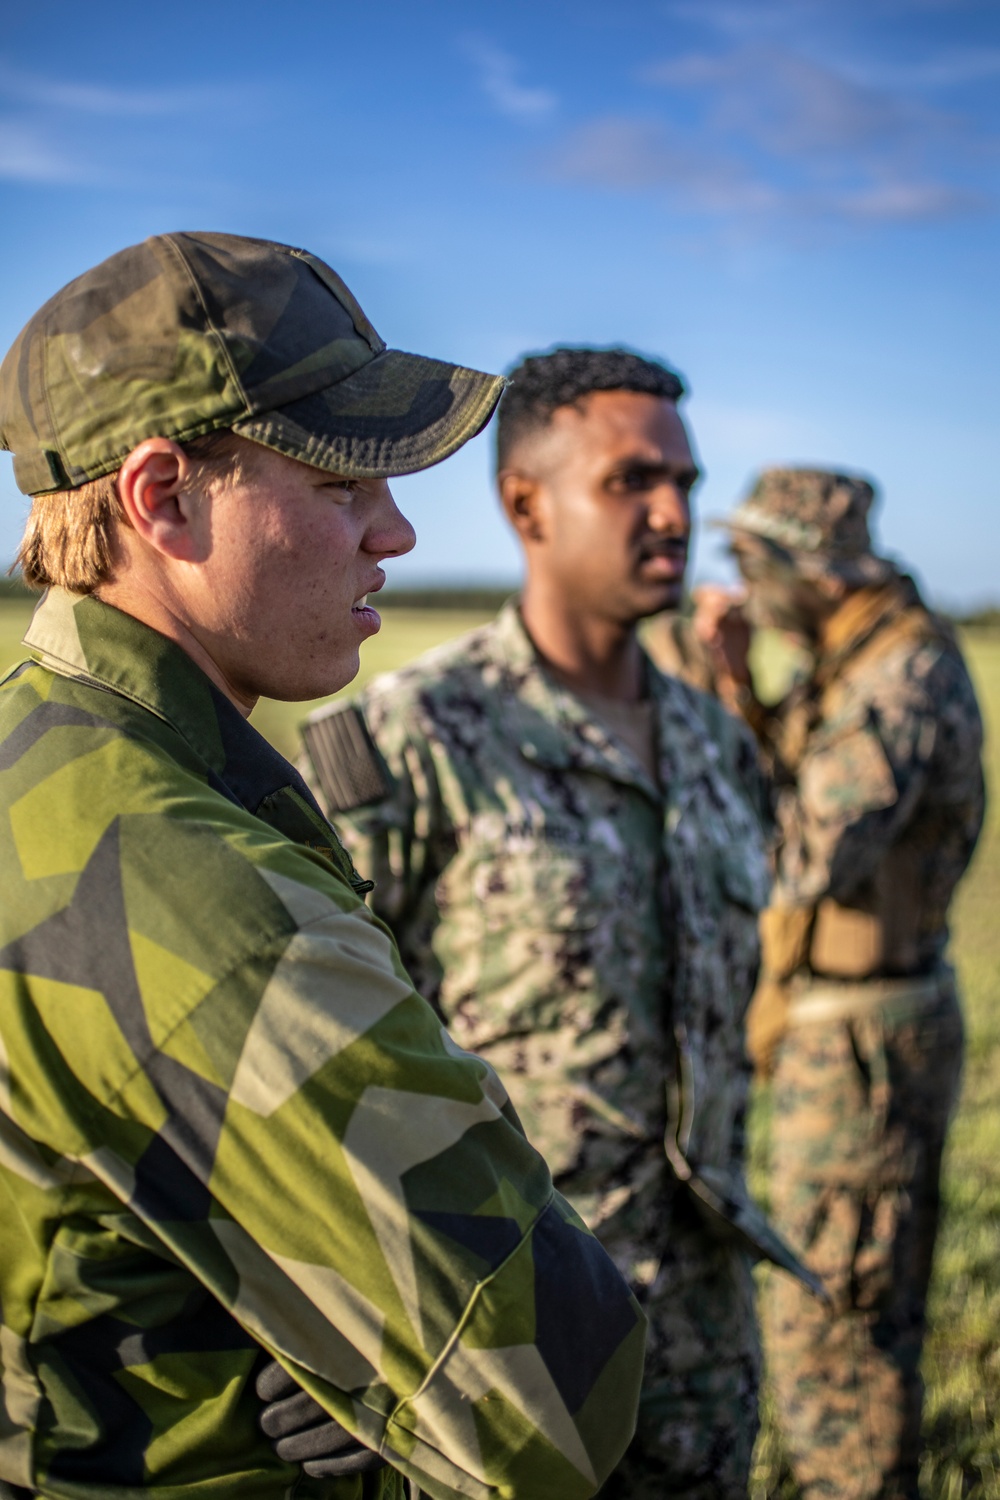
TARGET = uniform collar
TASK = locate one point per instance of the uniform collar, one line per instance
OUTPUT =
(80, 637)
(557, 730)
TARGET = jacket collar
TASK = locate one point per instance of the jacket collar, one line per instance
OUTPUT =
(80, 637)
(559, 731)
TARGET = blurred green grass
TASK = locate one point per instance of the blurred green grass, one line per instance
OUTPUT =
(962, 1358)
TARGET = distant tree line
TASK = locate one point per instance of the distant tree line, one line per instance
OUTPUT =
(487, 599)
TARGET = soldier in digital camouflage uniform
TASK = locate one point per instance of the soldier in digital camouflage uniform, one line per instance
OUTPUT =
(568, 848)
(230, 1130)
(876, 761)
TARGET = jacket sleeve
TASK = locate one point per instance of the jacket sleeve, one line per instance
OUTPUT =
(904, 728)
(357, 1191)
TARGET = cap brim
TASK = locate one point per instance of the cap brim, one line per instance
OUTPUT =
(397, 414)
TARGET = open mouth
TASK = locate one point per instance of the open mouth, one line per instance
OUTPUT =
(666, 559)
(363, 613)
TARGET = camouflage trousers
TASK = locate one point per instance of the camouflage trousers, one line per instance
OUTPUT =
(861, 1109)
(698, 1408)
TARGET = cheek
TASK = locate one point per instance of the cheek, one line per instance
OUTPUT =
(590, 534)
(604, 543)
(303, 556)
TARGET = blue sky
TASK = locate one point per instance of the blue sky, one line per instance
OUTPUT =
(794, 201)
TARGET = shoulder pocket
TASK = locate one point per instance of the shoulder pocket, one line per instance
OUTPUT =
(847, 776)
(345, 758)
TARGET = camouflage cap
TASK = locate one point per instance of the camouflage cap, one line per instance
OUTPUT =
(817, 517)
(189, 333)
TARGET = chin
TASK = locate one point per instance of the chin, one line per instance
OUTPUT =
(655, 601)
(319, 684)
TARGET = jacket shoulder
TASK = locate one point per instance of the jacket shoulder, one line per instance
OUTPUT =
(914, 665)
(431, 696)
(138, 811)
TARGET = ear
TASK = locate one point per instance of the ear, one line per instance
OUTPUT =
(522, 499)
(161, 507)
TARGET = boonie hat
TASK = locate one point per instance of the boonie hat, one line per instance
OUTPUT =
(817, 517)
(189, 333)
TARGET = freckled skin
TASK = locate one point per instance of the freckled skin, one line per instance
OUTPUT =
(293, 548)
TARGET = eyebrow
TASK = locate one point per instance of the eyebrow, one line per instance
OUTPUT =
(646, 466)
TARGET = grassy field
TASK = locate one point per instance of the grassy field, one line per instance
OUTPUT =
(962, 1361)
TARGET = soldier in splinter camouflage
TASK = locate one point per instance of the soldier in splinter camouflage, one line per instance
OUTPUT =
(876, 761)
(568, 848)
(230, 1129)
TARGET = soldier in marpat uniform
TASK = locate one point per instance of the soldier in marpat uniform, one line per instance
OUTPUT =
(568, 848)
(879, 802)
(230, 1129)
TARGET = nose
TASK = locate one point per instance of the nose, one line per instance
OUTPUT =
(669, 509)
(390, 533)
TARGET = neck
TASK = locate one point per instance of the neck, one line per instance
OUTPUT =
(168, 616)
(589, 653)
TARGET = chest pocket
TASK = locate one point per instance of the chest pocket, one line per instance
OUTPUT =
(533, 884)
(715, 849)
(847, 774)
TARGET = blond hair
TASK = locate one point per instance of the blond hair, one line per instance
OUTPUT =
(70, 539)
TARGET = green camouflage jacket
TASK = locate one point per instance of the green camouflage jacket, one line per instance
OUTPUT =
(228, 1124)
(593, 937)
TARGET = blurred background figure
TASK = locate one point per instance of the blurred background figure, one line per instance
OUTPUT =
(875, 759)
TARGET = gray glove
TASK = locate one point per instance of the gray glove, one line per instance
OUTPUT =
(301, 1432)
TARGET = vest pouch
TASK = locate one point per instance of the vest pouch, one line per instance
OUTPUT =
(847, 942)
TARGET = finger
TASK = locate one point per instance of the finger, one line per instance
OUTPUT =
(361, 1461)
(716, 595)
(273, 1382)
(326, 1440)
(282, 1418)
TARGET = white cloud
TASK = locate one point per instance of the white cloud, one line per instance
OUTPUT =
(756, 132)
(498, 80)
(51, 130)
(914, 201)
(27, 156)
(791, 105)
(629, 154)
(44, 93)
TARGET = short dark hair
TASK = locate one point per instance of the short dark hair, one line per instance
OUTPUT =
(562, 376)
